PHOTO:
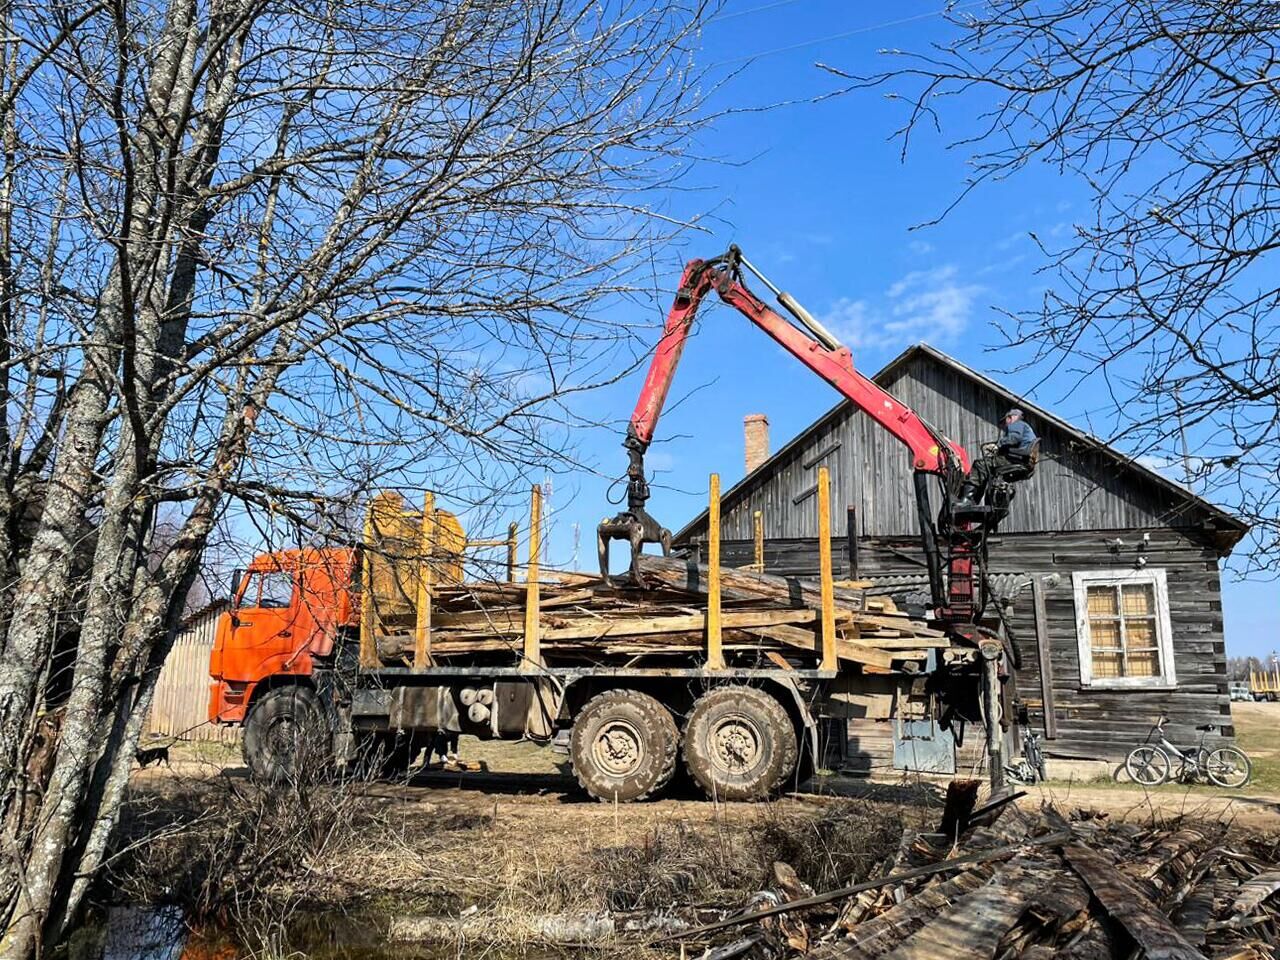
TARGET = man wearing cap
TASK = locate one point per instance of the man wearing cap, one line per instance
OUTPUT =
(1013, 449)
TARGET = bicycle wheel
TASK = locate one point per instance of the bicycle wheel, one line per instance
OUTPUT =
(1228, 767)
(1147, 765)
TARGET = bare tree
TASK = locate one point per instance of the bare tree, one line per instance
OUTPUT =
(257, 254)
(1166, 111)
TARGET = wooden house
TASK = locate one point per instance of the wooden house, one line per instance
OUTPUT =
(1108, 573)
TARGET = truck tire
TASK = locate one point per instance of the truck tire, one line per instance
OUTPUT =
(739, 743)
(623, 746)
(287, 737)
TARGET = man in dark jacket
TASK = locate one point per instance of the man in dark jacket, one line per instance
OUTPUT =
(1014, 448)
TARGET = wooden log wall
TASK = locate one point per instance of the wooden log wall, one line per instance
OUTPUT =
(1079, 486)
(1090, 723)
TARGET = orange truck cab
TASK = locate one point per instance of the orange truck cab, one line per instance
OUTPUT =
(288, 609)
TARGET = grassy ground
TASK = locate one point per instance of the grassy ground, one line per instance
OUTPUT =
(1255, 806)
(1257, 734)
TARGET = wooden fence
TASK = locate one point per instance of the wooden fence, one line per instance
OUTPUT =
(181, 706)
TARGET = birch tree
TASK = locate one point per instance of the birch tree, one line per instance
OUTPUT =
(254, 254)
(1164, 295)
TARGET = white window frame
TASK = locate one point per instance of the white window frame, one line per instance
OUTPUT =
(1081, 580)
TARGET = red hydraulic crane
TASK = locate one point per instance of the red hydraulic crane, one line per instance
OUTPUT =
(932, 455)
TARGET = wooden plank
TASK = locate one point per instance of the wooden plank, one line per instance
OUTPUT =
(829, 660)
(971, 927)
(715, 651)
(1046, 661)
(778, 660)
(532, 642)
(878, 935)
(757, 523)
(426, 545)
(1251, 894)
(845, 650)
(1130, 907)
(683, 623)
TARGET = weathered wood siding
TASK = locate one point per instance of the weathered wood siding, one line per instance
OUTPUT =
(1078, 486)
(180, 708)
(1091, 723)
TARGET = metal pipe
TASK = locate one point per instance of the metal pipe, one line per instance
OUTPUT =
(792, 306)
(929, 540)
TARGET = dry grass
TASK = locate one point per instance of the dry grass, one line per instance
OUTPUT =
(252, 859)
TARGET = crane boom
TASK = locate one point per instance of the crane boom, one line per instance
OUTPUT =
(931, 453)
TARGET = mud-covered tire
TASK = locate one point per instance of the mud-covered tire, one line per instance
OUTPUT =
(739, 743)
(287, 737)
(623, 746)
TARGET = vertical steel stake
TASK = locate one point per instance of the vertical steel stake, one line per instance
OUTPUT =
(368, 607)
(512, 530)
(426, 552)
(715, 651)
(532, 598)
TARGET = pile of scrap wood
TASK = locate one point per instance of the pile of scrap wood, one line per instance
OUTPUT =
(1033, 886)
(764, 617)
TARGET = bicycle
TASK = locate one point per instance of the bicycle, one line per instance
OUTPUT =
(1150, 764)
(1030, 766)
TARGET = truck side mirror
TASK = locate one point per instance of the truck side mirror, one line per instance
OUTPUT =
(237, 576)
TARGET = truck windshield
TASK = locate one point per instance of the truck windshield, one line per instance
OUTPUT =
(269, 589)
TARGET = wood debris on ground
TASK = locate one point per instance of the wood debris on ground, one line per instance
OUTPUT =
(1032, 886)
(763, 617)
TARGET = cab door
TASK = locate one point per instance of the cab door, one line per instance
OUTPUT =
(263, 623)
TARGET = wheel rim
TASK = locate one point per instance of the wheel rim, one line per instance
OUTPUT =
(618, 749)
(1147, 766)
(736, 744)
(1226, 769)
(283, 739)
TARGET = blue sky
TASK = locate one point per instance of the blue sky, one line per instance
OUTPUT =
(818, 197)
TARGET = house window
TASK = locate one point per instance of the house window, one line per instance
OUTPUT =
(1122, 625)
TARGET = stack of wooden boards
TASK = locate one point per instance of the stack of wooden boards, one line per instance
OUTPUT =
(762, 616)
(1041, 886)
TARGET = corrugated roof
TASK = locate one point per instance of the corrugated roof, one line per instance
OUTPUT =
(886, 373)
(213, 606)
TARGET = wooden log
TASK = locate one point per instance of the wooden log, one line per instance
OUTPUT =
(681, 574)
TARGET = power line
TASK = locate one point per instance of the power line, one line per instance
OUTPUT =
(742, 13)
(845, 34)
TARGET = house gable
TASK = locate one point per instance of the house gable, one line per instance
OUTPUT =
(1081, 484)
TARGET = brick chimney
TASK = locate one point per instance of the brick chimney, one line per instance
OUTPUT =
(755, 432)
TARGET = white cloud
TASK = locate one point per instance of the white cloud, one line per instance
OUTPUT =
(659, 460)
(930, 305)
(852, 322)
(934, 305)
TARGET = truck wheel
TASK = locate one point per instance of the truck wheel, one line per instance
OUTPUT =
(287, 737)
(739, 743)
(623, 746)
